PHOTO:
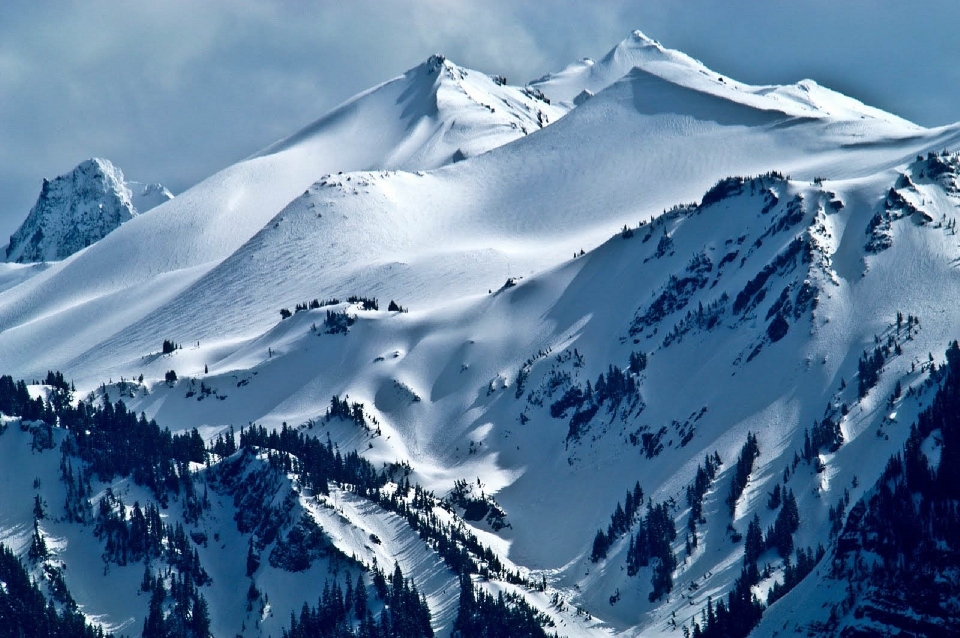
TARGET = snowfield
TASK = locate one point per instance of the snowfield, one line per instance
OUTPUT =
(542, 242)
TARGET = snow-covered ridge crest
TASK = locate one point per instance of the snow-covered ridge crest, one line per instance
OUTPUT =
(434, 114)
(525, 408)
(80, 208)
(804, 99)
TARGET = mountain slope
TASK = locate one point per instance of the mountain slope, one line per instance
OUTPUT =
(430, 116)
(80, 208)
(598, 434)
(434, 114)
(460, 396)
(464, 229)
(585, 78)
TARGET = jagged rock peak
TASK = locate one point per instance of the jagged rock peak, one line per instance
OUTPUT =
(439, 64)
(79, 208)
(436, 61)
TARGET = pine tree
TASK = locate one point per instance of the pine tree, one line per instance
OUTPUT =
(360, 598)
(753, 547)
(146, 583)
(600, 546)
(199, 617)
(154, 626)
(253, 559)
(780, 535)
(774, 501)
(38, 546)
(748, 454)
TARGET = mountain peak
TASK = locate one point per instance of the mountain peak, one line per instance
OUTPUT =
(98, 164)
(445, 442)
(438, 64)
(435, 61)
(79, 208)
(636, 50)
(805, 99)
(435, 113)
(639, 36)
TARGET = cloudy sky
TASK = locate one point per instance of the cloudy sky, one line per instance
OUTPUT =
(173, 90)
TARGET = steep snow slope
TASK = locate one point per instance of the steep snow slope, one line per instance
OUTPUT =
(467, 391)
(80, 208)
(639, 147)
(750, 312)
(434, 114)
(584, 78)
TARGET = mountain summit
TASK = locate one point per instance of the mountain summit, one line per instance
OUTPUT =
(80, 208)
(434, 114)
(643, 55)
(640, 371)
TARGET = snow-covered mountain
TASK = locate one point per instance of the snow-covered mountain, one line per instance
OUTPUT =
(80, 208)
(434, 114)
(643, 55)
(573, 365)
(430, 116)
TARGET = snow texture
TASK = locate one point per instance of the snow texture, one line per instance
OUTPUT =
(621, 228)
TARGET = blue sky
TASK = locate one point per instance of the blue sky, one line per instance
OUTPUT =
(173, 90)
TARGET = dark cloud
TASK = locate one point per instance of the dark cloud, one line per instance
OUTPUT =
(172, 90)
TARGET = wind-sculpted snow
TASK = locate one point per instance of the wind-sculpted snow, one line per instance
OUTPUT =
(240, 246)
(641, 55)
(680, 284)
(704, 385)
(433, 115)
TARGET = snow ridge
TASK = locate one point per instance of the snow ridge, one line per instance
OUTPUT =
(572, 85)
(801, 308)
(434, 114)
